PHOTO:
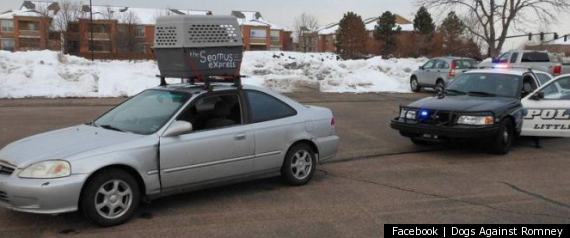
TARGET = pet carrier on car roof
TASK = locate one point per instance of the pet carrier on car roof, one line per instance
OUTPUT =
(198, 47)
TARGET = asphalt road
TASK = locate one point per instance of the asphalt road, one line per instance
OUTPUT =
(379, 178)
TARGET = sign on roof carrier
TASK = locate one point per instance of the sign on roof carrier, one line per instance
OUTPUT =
(198, 47)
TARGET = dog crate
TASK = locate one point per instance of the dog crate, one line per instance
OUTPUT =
(198, 47)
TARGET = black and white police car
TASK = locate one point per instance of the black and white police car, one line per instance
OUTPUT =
(494, 104)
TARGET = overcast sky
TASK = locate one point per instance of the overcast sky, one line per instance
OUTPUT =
(283, 12)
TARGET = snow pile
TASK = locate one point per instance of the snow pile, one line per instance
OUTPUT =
(288, 72)
(47, 74)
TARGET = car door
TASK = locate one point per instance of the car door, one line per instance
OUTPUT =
(208, 153)
(547, 110)
(426, 73)
(442, 71)
(274, 126)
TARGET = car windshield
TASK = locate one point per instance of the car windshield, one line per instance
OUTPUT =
(486, 84)
(144, 113)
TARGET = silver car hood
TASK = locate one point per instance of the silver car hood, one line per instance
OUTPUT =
(63, 143)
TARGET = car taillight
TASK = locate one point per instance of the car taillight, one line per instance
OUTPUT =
(453, 69)
(333, 122)
(557, 70)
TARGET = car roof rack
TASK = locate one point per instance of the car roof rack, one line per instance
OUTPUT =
(199, 49)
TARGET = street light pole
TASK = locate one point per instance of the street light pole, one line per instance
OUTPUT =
(91, 30)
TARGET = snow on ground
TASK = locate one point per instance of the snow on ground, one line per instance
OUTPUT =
(48, 74)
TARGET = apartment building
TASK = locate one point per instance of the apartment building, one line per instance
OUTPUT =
(324, 40)
(24, 30)
(259, 34)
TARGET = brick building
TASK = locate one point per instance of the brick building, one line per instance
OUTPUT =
(324, 40)
(259, 34)
(117, 32)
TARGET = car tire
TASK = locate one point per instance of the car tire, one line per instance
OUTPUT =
(299, 165)
(504, 139)
(439, 86)
(415, 85)
(110, 198)
(420, 142)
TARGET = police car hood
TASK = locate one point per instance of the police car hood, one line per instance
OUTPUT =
(467, 103)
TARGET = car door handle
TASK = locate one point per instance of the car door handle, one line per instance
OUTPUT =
(239, 137)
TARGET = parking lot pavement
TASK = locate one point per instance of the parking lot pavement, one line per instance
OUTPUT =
(382, 178)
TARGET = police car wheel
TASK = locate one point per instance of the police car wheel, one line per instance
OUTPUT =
(504, 138)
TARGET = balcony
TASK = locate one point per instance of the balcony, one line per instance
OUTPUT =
(29, 34)
(276, 41)
(258, 41)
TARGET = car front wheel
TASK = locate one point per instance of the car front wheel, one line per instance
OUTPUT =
(504, 139)
(299, 165)
(110, 198)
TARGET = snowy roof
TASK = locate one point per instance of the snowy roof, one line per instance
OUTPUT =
(254, 18)
(25, 13)
(144, 16)
(370, 25)
(560, 41)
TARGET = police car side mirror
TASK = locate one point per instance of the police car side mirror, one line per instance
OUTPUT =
(537, 96)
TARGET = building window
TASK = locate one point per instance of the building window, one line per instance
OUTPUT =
(7, 25)
(100, 28)
(29, 26)
(258, 34)
(276, 37)
(7, 44)
(29, 44)
(101, 46)
(139, 31)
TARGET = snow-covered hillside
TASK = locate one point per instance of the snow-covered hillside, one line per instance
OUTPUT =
(47, 74)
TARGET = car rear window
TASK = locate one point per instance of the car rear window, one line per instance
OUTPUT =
(465, 64)
(535, 57)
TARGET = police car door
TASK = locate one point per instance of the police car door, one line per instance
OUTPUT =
(548, 109)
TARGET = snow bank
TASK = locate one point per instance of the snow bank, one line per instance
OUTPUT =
(47, 74)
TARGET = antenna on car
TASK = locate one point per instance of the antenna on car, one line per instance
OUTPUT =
(199, 49)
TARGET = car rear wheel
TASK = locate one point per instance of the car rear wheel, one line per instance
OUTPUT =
(299, 165)
(110, 198)
(504, 139)
(414, 84)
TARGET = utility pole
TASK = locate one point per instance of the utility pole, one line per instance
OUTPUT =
(91, 30)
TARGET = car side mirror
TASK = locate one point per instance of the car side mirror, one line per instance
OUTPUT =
(178, 128)
(537, 96)
(422, 67)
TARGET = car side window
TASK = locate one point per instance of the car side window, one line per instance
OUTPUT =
(514, 57)
(264, 107)
(504, 58)
(429, 65)
(559, 90)
(442, 64)
(212, 112)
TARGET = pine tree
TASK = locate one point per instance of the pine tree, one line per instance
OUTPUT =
(351, 36)
(452, 29)
(386, 31)
(423, 23)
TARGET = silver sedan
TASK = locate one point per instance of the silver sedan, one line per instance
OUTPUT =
(165, 140)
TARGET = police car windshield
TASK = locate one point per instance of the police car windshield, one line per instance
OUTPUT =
(485, 85)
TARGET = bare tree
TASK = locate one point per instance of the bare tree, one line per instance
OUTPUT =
(69, 12)
(492, 20)
(306, 26)
(127, 36)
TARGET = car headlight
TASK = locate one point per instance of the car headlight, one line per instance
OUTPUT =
(476, 120)
(47, 169)
(408, 114)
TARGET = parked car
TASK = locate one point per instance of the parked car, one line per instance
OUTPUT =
(478, 104)
(438, 72)
(165, 140)
(529, 59)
